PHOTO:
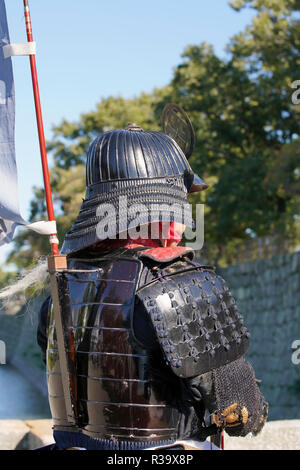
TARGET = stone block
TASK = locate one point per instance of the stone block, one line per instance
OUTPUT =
(41, 433)
(13, 435)
(295, 264)
(276, 435)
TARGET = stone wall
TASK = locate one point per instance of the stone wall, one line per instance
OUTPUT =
(268, 296)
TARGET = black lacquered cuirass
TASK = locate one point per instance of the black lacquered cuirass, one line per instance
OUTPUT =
(116, 392)
(135, 327)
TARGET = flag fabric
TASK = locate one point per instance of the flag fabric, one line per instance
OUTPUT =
(10, 216)
(9, 208)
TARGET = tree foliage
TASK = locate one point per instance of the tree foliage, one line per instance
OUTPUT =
(247, 134)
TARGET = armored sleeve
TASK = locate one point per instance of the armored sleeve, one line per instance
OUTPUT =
(194, 315)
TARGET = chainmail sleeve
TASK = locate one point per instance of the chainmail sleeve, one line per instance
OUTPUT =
(232, 397)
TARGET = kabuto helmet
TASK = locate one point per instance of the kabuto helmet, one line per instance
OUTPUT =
(133, 177)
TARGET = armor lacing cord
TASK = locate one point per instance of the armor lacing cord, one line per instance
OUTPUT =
(161, 275)
(199, 266)
(193, 263)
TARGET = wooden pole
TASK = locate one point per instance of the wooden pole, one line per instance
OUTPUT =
(41, 133)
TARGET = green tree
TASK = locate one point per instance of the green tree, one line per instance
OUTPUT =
(6, 277)
(244, 119)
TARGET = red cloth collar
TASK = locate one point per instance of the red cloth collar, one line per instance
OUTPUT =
(110, 245)
(167, 254)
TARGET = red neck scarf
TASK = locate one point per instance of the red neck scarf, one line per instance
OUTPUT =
(109, 245)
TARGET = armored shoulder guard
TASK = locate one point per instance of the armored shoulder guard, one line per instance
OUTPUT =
(193, 313)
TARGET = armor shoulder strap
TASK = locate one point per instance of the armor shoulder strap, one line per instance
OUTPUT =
(196, 320)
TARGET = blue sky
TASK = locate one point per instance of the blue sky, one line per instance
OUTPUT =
(93, 49)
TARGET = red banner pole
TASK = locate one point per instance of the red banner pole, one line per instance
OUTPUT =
(41, 133)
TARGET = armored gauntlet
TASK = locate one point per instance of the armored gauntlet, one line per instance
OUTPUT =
(232, 396)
